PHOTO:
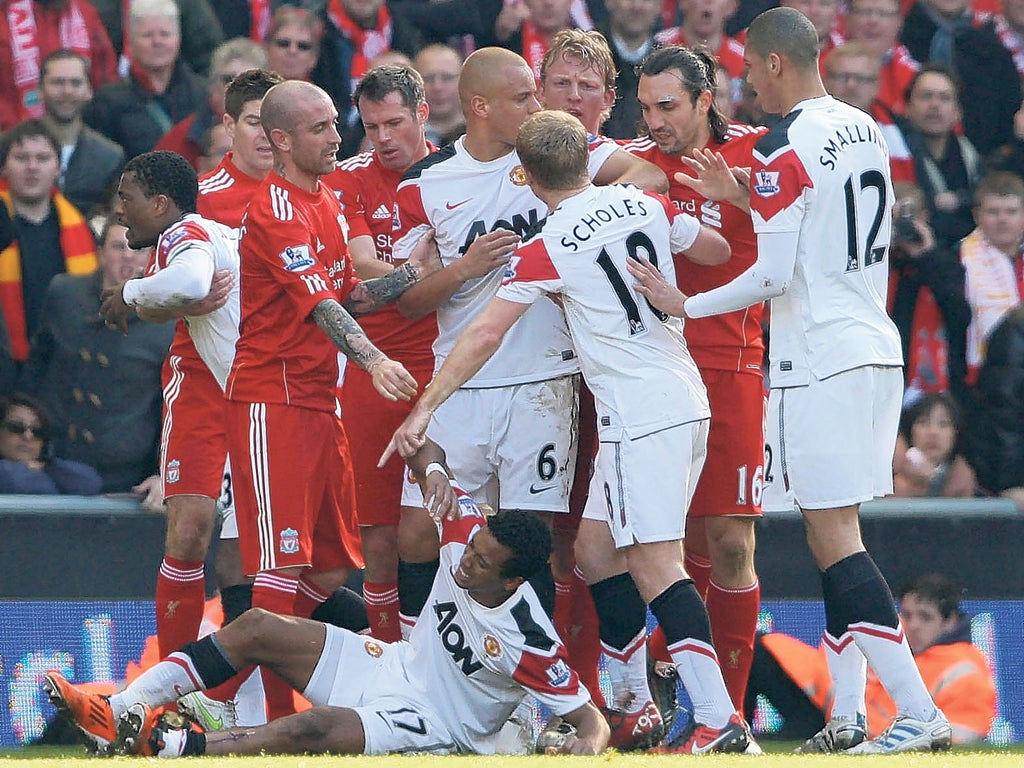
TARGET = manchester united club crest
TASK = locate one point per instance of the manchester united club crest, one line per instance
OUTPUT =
(517, 176)
(492, 647)
(373, 648)
(289, 541)
(173, 473)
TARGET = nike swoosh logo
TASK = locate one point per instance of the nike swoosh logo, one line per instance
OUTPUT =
(535, 489)
(451, 207)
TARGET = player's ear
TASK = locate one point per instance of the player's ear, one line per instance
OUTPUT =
(512, 583)
(422, 113)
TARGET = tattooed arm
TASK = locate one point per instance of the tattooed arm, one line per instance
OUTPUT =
(390, 378)
(369, 295)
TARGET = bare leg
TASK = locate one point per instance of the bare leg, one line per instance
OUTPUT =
(321, 729)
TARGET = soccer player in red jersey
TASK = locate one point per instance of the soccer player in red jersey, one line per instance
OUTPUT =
(293, 486)
(676, 93)
(399, 542)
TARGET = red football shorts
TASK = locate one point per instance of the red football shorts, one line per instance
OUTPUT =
(193, 442)
(294, 488)
(370, 421)
(733, 477)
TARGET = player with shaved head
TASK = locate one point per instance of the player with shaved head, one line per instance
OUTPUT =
(821, 199)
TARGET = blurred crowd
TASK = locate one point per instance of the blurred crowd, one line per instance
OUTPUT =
(85, 86)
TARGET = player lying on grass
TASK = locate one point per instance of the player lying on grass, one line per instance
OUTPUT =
(482, 642)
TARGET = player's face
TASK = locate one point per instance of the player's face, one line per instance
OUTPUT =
(512, 102)
(579, 89)
(934, 434)
(137, 212)
(759, 78)
(1001, 220)
(922, 622)
(853, 79)
(932, 107)
(395, 130)
(118, 262)
(315, 139)
(677, 125)
(249, 144)
(65, 89)
(706, 18)
(32, 169)
(480, 568)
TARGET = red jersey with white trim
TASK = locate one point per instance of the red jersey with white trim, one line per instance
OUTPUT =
(211, 337)
(293, 257)
(462, 198)
(822, 173)
(898, 69)
(732, 341)
(225, 192)
(634, 359)
(367, 191)
(475, 663)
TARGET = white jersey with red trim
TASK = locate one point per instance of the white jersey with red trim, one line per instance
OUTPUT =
(462, 198)
(196, 240)
(475, 663)
(634, 359)
(822, 173)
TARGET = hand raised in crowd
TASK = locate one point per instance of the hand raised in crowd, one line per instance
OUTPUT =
(391, 380)
(113, 308)
(653, 286)
(716, 179)
(487, 253)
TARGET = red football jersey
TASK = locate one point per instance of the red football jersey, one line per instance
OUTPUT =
(294, 256)
(225, 192)
(367, 191)
(898, 70)
(732, 341)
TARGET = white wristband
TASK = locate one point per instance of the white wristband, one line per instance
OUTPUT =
(434, 467)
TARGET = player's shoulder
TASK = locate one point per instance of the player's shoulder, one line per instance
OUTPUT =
(355, 163)
(217, 180)
(740, 139)
(778, 139)
(434, 160)
(191, 227)
(272, 200)
(643, 146)
(532, 624)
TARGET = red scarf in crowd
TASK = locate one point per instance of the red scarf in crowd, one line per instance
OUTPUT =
(259, 19)
(25, 54)
(534, 47)
(76, 241)
(369, 43)
(1011, 40)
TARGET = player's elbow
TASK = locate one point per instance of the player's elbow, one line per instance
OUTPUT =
(709, 249)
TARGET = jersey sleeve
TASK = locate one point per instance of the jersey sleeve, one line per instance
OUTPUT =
(543, 668)
(180, 272)
(529, 274)
(778, 183)
(601, 148)
(471, 518)
(412, 220)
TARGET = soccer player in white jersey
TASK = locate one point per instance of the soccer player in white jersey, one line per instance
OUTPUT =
(652, 408)
(821, 199)
(512, 425)
(482, 642)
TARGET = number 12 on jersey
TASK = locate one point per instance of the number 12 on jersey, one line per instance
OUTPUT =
(871, 253)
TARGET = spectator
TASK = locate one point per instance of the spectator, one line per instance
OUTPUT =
(929, 459)
(704, 24)
(90, 163)
(876, 24)
(630, 34)
(293, 42)
(30, 30)
(824, 15)
(991, 256)
(160, 89)
(216, 143)
(794, 677)
(26, 461)
(51, 236)
(355, 33)
(930, 28)
(200, 31)
(996, 430)
(439, 66)
(229, 60)
(102, 388)
(545, 18)
(1009, 28)
(947, 166)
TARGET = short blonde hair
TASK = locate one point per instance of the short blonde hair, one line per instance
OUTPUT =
(552, 146)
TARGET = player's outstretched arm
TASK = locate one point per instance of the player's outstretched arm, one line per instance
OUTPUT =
(484, 255)
(592, 731)
(372, 294)
(715, 179)
(220, 291)
(621, 167)
(390, 378)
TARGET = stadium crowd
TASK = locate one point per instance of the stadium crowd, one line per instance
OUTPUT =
(206, 204)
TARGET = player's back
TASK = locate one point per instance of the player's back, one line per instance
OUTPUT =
(824, 171)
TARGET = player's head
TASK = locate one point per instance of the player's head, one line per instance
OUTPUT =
(578, 76)
(929, 608)
(249, 144)
(497, 92)
(526, 538)
(552, 146)
(676, 92)
(392, 104)
(781, 55)
(156, 189)
(300, 121)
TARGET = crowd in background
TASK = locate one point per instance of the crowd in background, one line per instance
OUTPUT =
(85, 86)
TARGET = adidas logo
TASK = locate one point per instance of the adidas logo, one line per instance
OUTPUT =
(382, 212)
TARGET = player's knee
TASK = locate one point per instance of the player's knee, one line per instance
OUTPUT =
(317, 729)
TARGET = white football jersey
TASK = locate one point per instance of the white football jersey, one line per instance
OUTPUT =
(214, 334)
(634, 358)
(462, 198)
(823, 172)
(474, 664)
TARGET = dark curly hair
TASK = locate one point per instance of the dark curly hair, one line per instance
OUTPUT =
(935, 588)
(166, 173)
(526, 537)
